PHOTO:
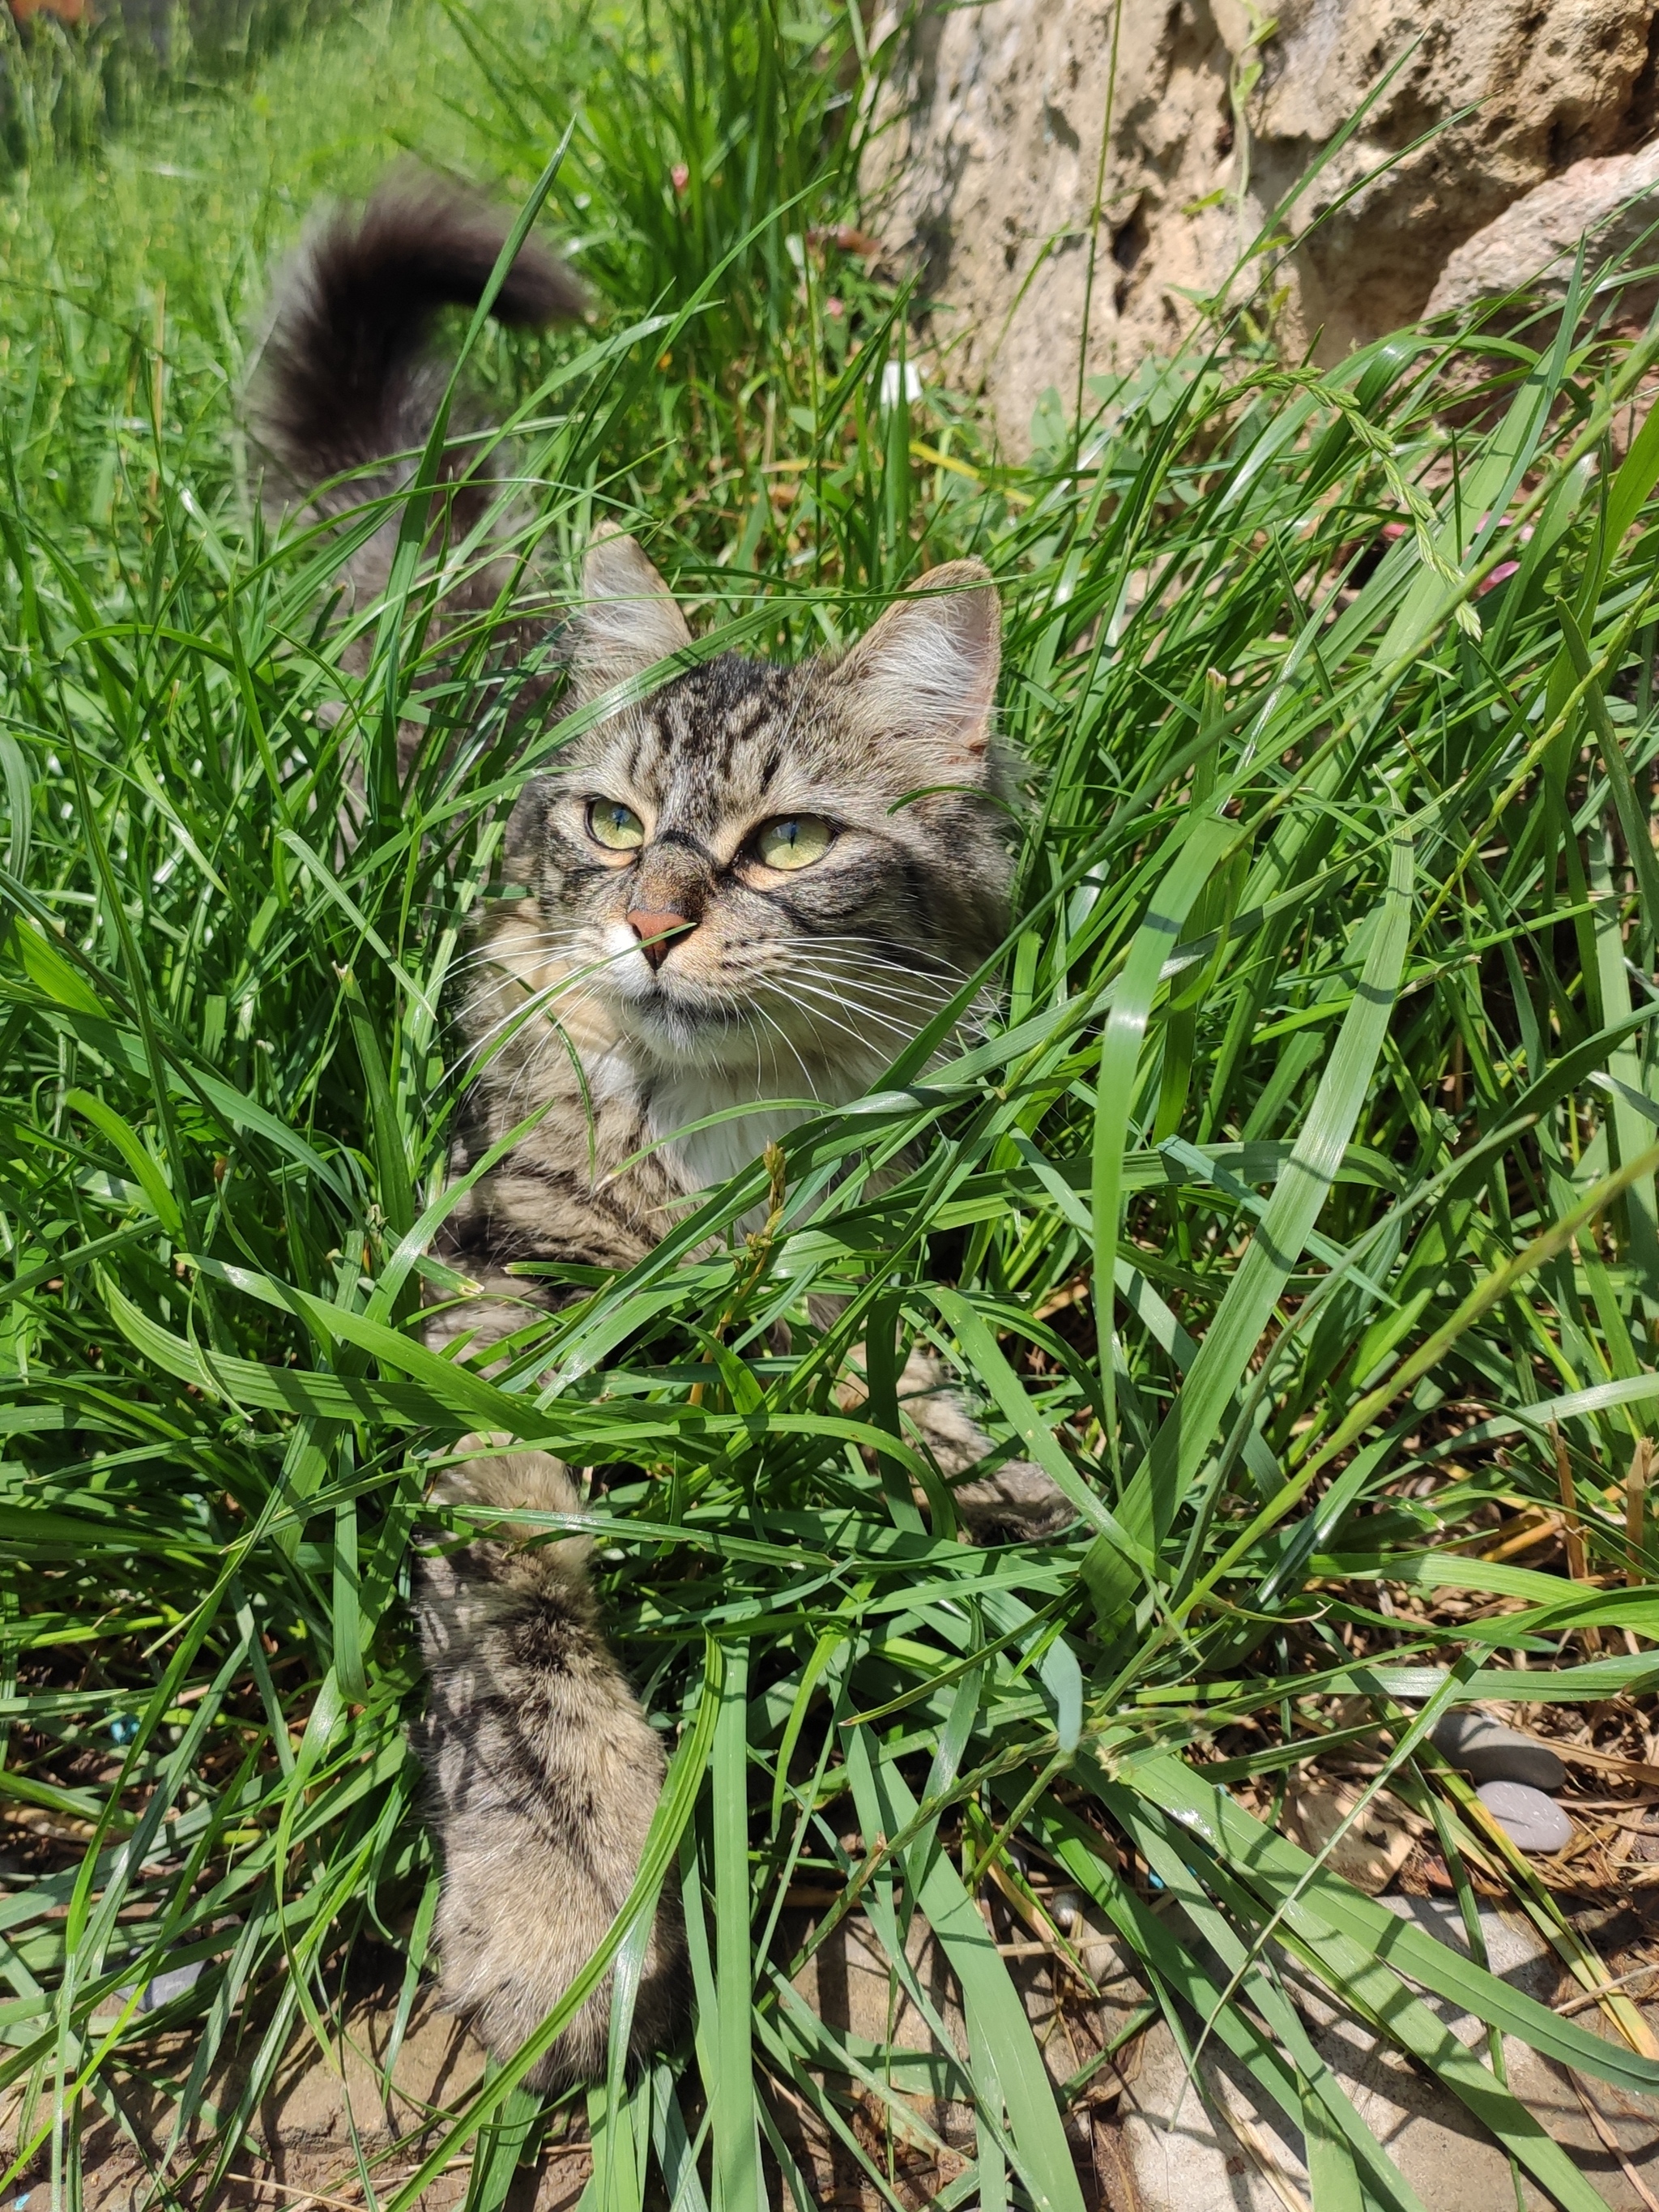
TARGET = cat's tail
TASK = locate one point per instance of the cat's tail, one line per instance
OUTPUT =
(345, 378)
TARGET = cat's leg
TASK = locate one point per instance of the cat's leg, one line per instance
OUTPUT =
(543, 1774)
(1017, 1499)
(497, 1306)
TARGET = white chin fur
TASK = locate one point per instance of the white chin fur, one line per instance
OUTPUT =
(691, 1061)
(668, 1035)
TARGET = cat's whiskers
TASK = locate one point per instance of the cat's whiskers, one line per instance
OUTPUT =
(857, 1014)
(773, 1022)
(890, 1008)
(813, 1016)
(793, 953)
(544, 944)
(905, 1029)
(509, 965)
(861, 992)
(869, 948)
(538, 1001)
(856, 972)
(483, 1053)
(857, 993)
(759, 1078)
(868, 989)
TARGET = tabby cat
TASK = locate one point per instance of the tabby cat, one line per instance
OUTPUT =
(754, 885)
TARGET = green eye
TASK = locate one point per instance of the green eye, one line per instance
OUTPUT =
(613, 825)
(794, 840)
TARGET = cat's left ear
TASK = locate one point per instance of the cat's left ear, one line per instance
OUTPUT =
(928, 671)
(629, 619)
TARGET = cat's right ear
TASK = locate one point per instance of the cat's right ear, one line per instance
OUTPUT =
(925, 676)
(629, 619)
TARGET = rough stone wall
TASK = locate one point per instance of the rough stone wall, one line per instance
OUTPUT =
(989, 166)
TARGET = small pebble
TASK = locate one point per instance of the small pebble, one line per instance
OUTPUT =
(161, 1988)
(172, 1982)
(1485, 1749)
(1527, 1817)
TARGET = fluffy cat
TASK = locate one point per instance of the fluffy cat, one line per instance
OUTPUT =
(753, 886)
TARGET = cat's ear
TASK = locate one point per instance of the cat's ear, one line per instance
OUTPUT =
(928, 671)
(629, 619)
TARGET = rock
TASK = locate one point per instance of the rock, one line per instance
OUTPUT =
(850, 1984)
(986, 164)
(1214, 2144)
(1370, 1853)
(1528, 1818)
(1489, 1751)
(1068, 1907)
(164, 1987)
(1533, 244)
(161, 1988)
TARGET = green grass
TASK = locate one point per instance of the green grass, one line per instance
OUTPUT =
(1326, 1043)
(67, 89)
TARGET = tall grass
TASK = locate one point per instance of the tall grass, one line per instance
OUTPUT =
(1297, 1213)
(712, 142)
(66, 86)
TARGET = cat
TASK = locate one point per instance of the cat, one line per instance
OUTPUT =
(749, 888)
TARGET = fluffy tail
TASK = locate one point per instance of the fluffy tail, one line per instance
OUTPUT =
(345, 380)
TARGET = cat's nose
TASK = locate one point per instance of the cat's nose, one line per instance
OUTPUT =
(657, 931)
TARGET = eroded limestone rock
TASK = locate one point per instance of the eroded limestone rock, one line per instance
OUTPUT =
(1613, 202)
(1221, 2144)
(990, 167)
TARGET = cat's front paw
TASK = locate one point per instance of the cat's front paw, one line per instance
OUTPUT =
(498, 1471)
(1019, 1504)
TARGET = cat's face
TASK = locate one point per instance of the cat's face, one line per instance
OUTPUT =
(776, 872)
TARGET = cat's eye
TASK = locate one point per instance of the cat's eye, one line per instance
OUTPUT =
(793, 841)
(613, 825)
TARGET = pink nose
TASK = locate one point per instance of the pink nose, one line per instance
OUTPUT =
(657, 931)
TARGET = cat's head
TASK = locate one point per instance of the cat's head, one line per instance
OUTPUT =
(775, 872)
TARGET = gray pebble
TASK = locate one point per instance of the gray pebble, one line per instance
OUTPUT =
(172, 1982)
(1534, 1822)
(1485, 1749)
